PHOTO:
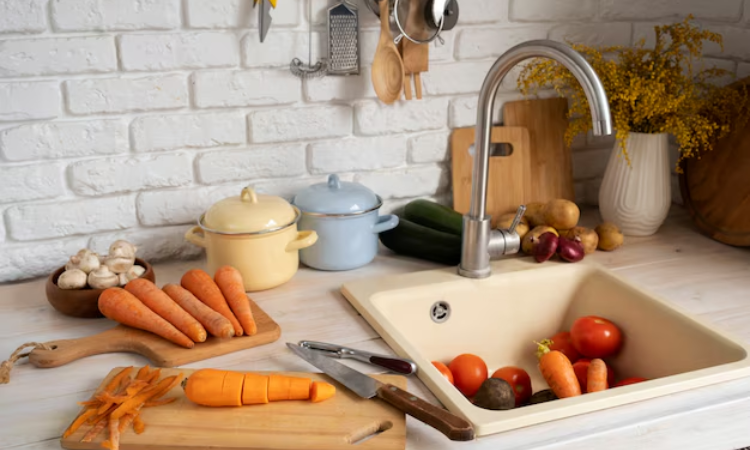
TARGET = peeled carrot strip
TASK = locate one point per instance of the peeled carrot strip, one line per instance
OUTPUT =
(95, 430)
(138, 425)
(114, 383)
(165, 401)
(154, 375)
(229, 281)
(143, 373)
(215, 323)
(200, 284)
(321, 391)
(155, 391)
(80, 420)
(114, 434)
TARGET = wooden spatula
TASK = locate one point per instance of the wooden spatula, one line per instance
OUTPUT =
(416, 56)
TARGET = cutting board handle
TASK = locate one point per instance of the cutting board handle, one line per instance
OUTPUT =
(69, 350)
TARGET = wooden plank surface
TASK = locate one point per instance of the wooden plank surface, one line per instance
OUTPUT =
(678, 263)
(334, 424)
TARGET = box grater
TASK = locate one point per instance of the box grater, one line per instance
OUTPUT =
(343, 40)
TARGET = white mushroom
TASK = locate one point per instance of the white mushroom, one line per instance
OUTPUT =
(119, 264)
(85, 260)
(132, 273)
(72, 279)
(103, 278)
(122, 249)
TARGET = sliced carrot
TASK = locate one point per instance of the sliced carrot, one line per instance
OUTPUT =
(95, 430)
(143, 373)
(255, 389)
(114, 434)
(299, 388)
(200, 284)
(596, 376)
(216, 324)
(138, 425)
(162, 304)
(165, 401)
(144, 396)
(114, 383)
(279, 387)
(321, 390)
(154, 376)
(125, 421)
(122, 306)
(232, 287)
(80, 420)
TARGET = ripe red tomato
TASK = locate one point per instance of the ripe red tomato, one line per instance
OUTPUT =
(444, 371)
(631, 380)
(581, 369)
(595, 337)
(562, 343)
(469, 372)
(518, 379)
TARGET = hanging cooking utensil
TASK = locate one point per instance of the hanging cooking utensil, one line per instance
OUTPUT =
(309, 70)
(415, 56)
(343, 39)
(387, 68)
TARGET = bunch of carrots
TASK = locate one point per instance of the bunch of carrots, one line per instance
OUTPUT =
(184, 314)
(119, 404)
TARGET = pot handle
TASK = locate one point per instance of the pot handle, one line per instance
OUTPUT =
(196, 237)
(385, 223)
(304, 239)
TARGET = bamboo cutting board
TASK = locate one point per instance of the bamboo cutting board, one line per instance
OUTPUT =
(509, 176)
(550, 159)
(161, 352)
(334, 424)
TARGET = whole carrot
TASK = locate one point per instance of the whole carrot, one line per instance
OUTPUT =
(215, 323)
(123, 307)
(232, 287)
(597, 376)
(558, 371)
(200, 284)
(163, 305)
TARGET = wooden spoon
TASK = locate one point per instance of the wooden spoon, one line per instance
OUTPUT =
(387, 68)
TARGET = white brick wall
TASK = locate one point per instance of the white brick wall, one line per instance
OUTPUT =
(130, 118)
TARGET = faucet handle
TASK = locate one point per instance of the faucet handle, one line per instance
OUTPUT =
(517, 219)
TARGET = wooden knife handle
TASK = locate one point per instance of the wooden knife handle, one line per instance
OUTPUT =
(454, 427)
(69, 350)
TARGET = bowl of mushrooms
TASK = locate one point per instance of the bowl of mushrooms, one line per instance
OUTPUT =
(74, 288)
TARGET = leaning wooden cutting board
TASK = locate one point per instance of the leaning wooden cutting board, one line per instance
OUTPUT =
(550, 158)
(330, 425)
(159, 351)
(509, 176)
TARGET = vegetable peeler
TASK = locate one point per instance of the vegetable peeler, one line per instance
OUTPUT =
(392, 363)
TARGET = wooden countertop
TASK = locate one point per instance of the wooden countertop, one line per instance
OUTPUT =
(704, 277)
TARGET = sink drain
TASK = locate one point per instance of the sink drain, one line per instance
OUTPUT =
(440, 311)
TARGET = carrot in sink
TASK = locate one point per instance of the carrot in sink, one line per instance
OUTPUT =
(558, 371)
(200, 284)
(232, 287)
(596, 376)
(215, 323)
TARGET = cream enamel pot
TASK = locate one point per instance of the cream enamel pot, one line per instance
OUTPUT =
(257, 234)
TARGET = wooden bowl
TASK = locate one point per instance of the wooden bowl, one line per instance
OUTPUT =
(82, 303)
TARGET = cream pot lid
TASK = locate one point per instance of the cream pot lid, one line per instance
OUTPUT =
(249, 212)
(336, 197)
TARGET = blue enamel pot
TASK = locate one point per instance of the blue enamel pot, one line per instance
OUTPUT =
(346, 218)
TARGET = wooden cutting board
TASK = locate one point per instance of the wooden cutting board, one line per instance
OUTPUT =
(161, 352)
(509, 176)
(550, 159)
(330, 425)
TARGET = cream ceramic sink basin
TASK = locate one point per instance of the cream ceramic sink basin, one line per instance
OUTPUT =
(498, 317)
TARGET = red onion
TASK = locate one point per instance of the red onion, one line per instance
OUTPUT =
(546, 247)
(570, 250)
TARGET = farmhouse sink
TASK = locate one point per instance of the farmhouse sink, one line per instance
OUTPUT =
(437, 315)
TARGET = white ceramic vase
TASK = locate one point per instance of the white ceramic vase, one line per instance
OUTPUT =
(637, 197)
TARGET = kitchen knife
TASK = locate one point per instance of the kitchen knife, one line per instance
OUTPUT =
(454, 427)
(264, 19)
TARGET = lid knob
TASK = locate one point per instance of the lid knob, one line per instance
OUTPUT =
(334, 182)
(249, 195)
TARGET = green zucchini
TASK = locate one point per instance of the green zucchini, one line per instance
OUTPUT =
(411, 239)
(434, 215)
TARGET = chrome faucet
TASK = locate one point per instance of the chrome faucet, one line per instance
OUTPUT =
(479, 241)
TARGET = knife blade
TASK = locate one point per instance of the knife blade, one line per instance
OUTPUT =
(452, 426)
(264, 19)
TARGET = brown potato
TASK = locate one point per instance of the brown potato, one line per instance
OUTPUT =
(506, 220)
(589, 238)
(561, 214)
(534, 214)
(532, 238)
(610, 237)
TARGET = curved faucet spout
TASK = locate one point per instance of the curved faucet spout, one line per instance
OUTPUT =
(476, 236)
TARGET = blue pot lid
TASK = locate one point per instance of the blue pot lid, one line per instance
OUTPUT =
(336, 197)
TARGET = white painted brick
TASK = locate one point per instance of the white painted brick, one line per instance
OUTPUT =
(743, 70)
(396, 206)
(150, 52)
(455, 78)
(724, 10)
(280, 48)
(31, 182)
(374, 118)
(2, 226)
(355, 154)
(252, 163)
(735, 43)
(36, 259)
(110, 95)
(463, 111)
(153, 244)
(551, 10)
(412, 182)
(476, 43)
(593, 34)
(430, 147)
(326, 89)
(57, 56)
(368, 43)
(484, 11)
(27, 16)
(590, 163)
(126, 174)
(24, 101)
(245, 88)
(238, 14)
(294, 124)
(64, 139)
(87, 15)
(289, 187)
(442, 52)
(158, 133)
(180, 206)
(33, 221)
